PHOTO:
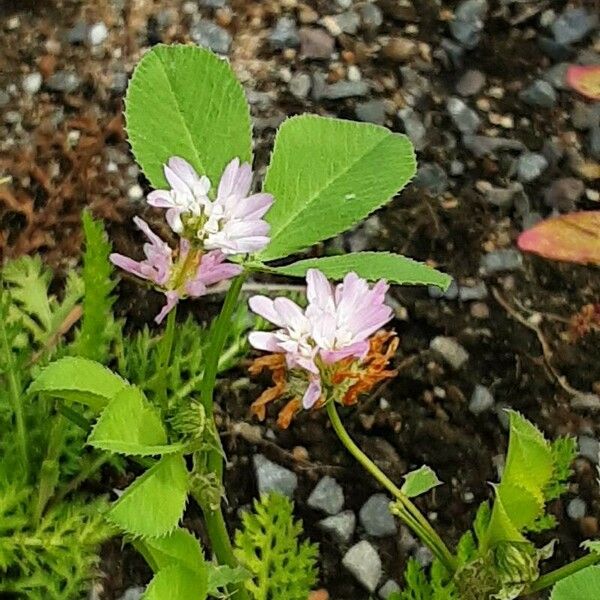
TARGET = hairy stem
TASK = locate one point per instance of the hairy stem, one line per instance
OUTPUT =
(407, 511)
(215, 522)
(166, 347)
(15, 389)
(549, 579)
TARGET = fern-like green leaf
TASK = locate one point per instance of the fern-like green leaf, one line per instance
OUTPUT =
(269, 547)
(97, 326)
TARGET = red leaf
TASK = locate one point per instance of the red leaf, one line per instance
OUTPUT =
(586, 80)
(572, 238)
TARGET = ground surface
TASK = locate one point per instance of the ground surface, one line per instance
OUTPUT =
(64, 146)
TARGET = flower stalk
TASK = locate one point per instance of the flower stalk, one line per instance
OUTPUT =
(407, 511)
(549, 579)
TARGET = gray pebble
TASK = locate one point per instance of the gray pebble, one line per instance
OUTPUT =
(530, 166)
(464, 118)
(557, 52)
(63, 81)
(450, 294)
(431, 177)
(539, 93)
(423, 556)
(213, 3)
(371, 16)
(481, 401)
(585, 116)
(476, 292)
(341, 526)
(470, 83)
(376, 518)
(481, 145)
(576, 509)
(316, 43)
(4, 98)
(272, 477)
(119, 82)
(12, 117)
(327, 496)
(564, 193)
(457, 168)
(364, 563)
(573, 25)
(284, 34)
(32, 83)
(345, 89)
(78, 33)
(450, 350)
(594, 142)
(589, 402)
(372, 111)
(503, 197)
(468, 22)
(209, 35)
(97, 33)
(557, 76)
(451, 52)
(413, 126)
(347, 22)
(506, 259)
(299, 85)
(589, 447)
(388, 588)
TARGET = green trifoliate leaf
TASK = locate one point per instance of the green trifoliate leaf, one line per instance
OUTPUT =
(372, 266)
(177, 583)
(584, 585)
(185, 101)
(328, 174)
(179, 547)
(130, 425)
(153, 504)
(420, 481)
(79, 380)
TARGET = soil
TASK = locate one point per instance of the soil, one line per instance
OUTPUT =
(422, 415)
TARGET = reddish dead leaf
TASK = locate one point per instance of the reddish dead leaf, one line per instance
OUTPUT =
(586, 80)
(572, 238)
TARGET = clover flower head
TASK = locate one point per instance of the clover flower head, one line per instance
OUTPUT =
(233, 223)
(178, 274)
(330, 350)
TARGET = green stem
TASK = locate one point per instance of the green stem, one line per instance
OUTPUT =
(551, 578)
(214, 520)
(407, 511)
(166, 347)
(15, 393)
(89, 469)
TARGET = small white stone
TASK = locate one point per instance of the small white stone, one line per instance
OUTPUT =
(354, 73)
(97, 33)
(135, 192)
(32, 83)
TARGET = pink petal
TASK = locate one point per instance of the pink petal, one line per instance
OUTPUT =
(323, 327)
(180, 174)
(263, 307)
(312, 394)
(319, 291)
(160, 199)
(128, 264)
(172, 300)
(252, 208)
(290, 313)
(236, 180)
(262, 340)
(357, 350)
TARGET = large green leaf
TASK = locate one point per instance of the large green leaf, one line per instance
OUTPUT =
(179, 547)
(584, 585)
(153, 504)
(79, 380)
(185, 101)
(177, 582)
(372, 266)
(130, 425)
(328, 174)
(420, 481)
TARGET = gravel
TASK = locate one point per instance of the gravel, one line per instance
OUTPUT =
(327, 496)
(573, 25)
(450, 350)
(345, 89)
(32, 83)
(272, 477)
(372, 111)
(285, 34)
(413, 126)
(133, 593)
(97, 34)
(501, 260)
(576, 509)
(589, 447)
(481, 145)
(431, 177)
(371, 16)
(557, 76)
(209, 35)
(468, 293)
(468, 22)
(376, 518)
(300, 85)
(63, 81)
(530, 166)
(594, 142)
(481, 401)
(364, 563)
(563, 194)
(316, 43)
(539, 93)
(388, 588)
(341, 526)
(470, 83)
(463, 117)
